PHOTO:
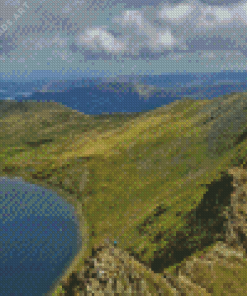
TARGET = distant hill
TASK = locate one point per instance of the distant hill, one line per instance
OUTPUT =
(107, 97)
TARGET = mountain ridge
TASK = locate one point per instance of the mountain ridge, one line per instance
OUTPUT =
(174, 154)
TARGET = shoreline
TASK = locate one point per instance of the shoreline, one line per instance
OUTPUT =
(80, 221)
(84, 241)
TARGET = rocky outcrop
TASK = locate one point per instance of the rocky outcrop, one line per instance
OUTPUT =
(112, 271)
(237, 220)
(219, 270)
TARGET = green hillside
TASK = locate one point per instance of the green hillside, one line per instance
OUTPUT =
(150, 181)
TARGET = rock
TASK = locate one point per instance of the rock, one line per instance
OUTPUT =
(112, 271)
(237, 222)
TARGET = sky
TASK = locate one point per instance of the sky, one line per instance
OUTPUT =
(128, 37)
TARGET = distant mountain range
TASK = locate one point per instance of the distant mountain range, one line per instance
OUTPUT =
(126, 93)
(144, 91)
(165, 80)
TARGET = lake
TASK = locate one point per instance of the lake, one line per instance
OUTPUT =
(39, 237)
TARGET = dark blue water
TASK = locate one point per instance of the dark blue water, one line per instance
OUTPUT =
(39, 237)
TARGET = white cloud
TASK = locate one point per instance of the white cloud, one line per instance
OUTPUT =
(198, 14)
(223, 14)
(176, 13)
(240, 13)
(145, 34)
(161, 41)
(214, 16)
(130, 17)
(99, 38)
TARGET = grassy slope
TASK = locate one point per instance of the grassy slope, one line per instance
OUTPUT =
(135, 165)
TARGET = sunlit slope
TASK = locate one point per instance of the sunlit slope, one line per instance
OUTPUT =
(145, 173)
(43, 129)
(102, 137)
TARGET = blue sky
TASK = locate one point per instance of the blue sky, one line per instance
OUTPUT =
(112, 37)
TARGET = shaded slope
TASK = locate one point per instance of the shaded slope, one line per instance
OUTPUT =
(206, 223)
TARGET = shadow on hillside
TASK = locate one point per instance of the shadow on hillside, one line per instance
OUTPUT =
(205, 225)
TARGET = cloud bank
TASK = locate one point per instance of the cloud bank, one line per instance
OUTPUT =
(83, 30)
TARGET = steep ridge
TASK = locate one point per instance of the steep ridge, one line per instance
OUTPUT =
(221, 269)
